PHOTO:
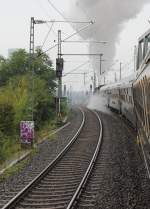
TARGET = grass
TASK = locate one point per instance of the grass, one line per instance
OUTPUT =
(9, 147)
(18, 166)
(46, 131)
(14, 169)
(12, 149)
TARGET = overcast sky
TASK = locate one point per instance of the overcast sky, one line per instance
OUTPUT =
(15, 22)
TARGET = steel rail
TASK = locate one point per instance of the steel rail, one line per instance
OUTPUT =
(81, 186)
(12, 203)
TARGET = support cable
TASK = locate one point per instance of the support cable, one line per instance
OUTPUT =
(85, 63)
(54, 7)
(47, 35)
(70, 36)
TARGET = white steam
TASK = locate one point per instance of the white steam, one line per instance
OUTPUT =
(110, 16)
(98, 102)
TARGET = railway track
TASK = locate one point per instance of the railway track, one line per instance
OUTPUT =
(60, 184)
(118, 178)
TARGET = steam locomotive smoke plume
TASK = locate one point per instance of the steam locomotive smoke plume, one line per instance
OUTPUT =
(110, 16)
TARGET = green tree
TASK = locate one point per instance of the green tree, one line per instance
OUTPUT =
(16, 90)
(15, 65)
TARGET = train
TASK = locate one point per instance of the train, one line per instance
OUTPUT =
(131, 98)
(119, 97)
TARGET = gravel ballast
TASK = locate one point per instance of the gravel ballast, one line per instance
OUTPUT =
(46, 152)
(119, 179)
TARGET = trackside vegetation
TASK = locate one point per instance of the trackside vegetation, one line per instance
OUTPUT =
(15, 96)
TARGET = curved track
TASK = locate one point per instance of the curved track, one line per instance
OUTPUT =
(61, 183)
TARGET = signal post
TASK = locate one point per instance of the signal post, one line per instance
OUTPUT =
(59, 70)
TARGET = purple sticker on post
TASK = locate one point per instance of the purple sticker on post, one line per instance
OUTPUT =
(26, 131)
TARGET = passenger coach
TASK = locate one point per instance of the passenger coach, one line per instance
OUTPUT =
(131, 98)
(141, 89)
(119, 97)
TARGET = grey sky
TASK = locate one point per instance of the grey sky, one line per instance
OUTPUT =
(15, 21)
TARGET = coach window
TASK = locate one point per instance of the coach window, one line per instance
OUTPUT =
(140, 53)
(126, 96)
(148, 93)
(146, 102)
(131, 101)
(148, 37)
(145, 48)
(141, 100)
(122, 94)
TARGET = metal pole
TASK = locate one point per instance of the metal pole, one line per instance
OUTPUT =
(65, 89)
(104, 79)
(120, 70)
(100, 71)
(100, 65)
(84, 79)
(60, 78)
(94, 81)
(135, 57)
(31, 67)
(31, 37)
(115, 77)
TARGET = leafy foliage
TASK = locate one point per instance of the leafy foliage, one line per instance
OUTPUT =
(16, 93)
(6, 118)
(16, 64)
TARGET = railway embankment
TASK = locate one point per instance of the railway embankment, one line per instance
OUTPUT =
(22, 173)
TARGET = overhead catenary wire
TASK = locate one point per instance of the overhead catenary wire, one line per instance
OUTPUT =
(70, 36)
(66, 20)
(62, 21)
(81, 41)
(78, 67)
(61, 14)
(46, 14)
(80, 72)
(44, 11)
(74, 61)
(57, 10)
(73, 81)
(50, 27)
(47, 35)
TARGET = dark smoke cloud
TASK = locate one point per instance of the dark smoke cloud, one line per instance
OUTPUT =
(110, 16)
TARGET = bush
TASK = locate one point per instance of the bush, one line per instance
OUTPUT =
(2, 141)
(8, 146)
(6, 118)
(17, 93)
